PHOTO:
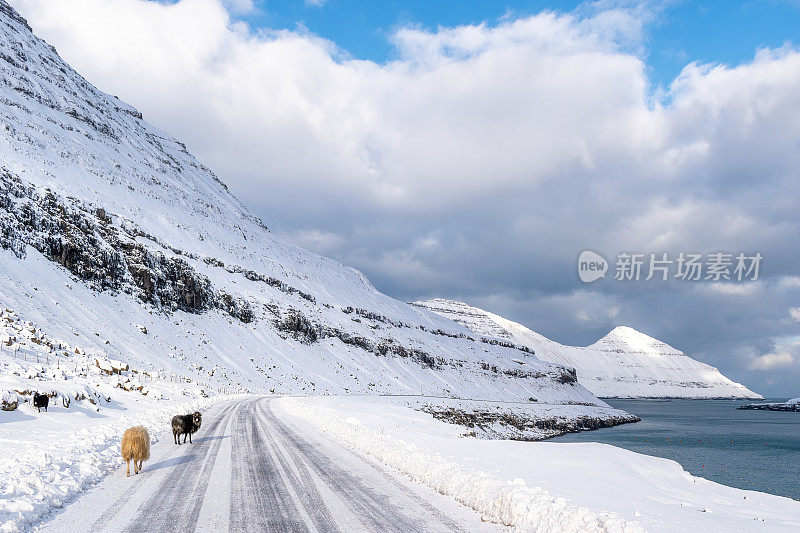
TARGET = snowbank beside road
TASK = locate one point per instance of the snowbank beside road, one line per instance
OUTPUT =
(543, 486)
(512, 502)
(35, 481)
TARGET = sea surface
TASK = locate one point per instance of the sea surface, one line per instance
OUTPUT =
(756, 450)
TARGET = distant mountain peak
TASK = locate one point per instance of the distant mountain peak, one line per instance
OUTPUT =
(629, 336)
(623, 363)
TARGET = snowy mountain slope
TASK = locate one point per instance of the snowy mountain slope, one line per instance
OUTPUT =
(114, 237)
(623, 364)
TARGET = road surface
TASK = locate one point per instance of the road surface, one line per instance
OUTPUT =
(250, 469)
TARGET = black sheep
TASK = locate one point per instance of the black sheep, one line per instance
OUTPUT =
(40, 400)
(185, 425)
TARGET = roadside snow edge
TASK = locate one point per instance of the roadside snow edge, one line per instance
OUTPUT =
(511, 503)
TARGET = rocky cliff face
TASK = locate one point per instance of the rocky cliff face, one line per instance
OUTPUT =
(624, 364)
(114, 237)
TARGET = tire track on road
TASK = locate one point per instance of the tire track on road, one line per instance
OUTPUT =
(164, 513)
(260, 500)
(297, 479)
(371, 507)
(270, 476)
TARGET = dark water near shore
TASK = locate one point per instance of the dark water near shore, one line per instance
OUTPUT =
(756, 450)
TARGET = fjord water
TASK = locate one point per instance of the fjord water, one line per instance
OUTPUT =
(755, 450)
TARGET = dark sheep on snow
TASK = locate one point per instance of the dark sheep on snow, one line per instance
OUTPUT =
(40, 400)
(185, 425)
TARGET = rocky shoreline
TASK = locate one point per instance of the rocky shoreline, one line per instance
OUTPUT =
(494, 424)
(793, 406)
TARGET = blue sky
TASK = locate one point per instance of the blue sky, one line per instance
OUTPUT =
(713, 31)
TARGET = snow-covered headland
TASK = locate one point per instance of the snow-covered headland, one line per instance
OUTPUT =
(543, 486)
(488, 419)
(624, 364)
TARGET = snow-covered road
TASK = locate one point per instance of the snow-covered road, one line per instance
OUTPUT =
(250, 469)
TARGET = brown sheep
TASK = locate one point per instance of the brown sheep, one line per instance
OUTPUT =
(136, 446)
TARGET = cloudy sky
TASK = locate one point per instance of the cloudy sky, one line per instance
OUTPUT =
(472, 150)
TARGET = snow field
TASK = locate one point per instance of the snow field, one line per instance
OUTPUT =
(32, 361)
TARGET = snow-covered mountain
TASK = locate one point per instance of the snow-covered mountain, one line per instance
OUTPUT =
(114, 238)
(624, 364)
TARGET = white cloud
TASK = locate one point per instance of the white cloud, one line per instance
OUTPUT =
(783, 354)
(794, 313)
(468, 110)
(732, 288)
(772, 361)
(322, 241)
(789, 282)
(465, 112)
